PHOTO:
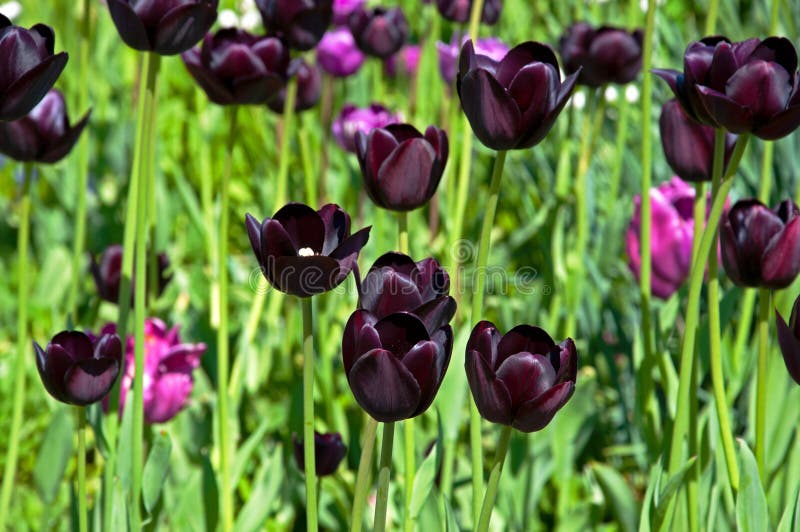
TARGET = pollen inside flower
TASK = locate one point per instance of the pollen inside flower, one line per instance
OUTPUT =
(306, 252)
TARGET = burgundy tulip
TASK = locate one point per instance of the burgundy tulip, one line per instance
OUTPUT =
(521, 378)
(342, 9)
(309, 83)
(379, 32)
(301, 22)
(107, 273)
(605, 55)
(352, 120)
(329, 451)
(305, 252)
(745, 87)
(28, 67)
(338, 54)
(789, 340)
(492, 47)
(401, 168)
(235, 67)
(45, 135)
(459, 10)
(761, 247)
(166, 27)
(76, 370)
(512, 104)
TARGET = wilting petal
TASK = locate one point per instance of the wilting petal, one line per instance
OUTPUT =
(384, 387)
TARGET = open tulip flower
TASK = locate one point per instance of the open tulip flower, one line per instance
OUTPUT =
(745, 87)
(606, 54)
(78, 370)
(166, 27)
(352, 120)
(521, 378)
(329, 451)
(379, 32)
(459, 10)
(309, 82)
(28, 68)
(45, 135)
(300, 22)
(513, 103)
(235, 67)
(304, 252)
(761, 247)
(789, 340)
(402, 167)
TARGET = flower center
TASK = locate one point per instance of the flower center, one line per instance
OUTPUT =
(306, 252)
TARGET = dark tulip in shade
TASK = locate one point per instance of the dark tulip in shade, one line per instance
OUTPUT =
(305, 252)
(400, 166)
(329, 451)
(235, 67)
(513, 103)
(76, 370)
(379, 32)
(300, 22)
(789, 340)
(606, 54)
(689, 145)
(45, 135)
(309, 83)
(761, 247)
(108, 272)
(459, 10)
(521, 378)
(28, 67)
(745, 87)
(166, 27)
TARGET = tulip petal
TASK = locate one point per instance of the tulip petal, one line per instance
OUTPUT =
(437, 312)
(524, 338)
(790, 347)
(169, 393)
(19, 139)
(726, 112)
(275, 242)
(76, 344)
(216, 91)
(129, 25)
(432, 280)
(421, 362)
(389, 291)
(537, 413)
(23, 95)
(779, 125)
(303, 225)
(52, 365)
(670, 76)
(522, 55)
(404, 176)
(359, 331)
(526, 376)
(401, 331)
(537, 131)
(380, 144)
(182, 27)
(763, 87)
(383, 386)
(253, 227)
(66, 142)
(485, 339)
(337, 226)
(779, 50)
(90, 380)
(347, 252)
(490, 394)
(306, 276)
(492, 113)
(108, 346)
(781, 260)
(566, 360)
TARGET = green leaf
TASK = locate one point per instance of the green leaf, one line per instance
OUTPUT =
(124, 444)
(663, 497)
(644, 518)
(155, 470)
(619, 493)
(54, 455)
(424, 479)
(210, 494)
(790, 520)
(451, 525)
(246, 450)
(266, 487)
(751, 503)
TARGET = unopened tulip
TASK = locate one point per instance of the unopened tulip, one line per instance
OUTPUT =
(329, 451)
(789, 340)
(379, 32)
(300, 22)
(605, 55)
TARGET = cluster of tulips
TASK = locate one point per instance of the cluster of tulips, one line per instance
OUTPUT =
(398, 343)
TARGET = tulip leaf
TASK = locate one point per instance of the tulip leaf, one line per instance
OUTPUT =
(645, 519)
(210, 494)
(619, 494)
(245, 452)
(119, 510)
(662, 498)
(124, 444)
(790, 520)
(450, 522)
(54, 454)
(96, 417)
(266, 487)
(155, 470)
(425, 477)
(751, 503)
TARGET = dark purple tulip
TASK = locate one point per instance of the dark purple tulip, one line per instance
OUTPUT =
(235, 67)
(606, 54)
(76, 370)
(521, 378)
(745, 87)
(166, 27)
(512, 104)
(492, 47)
(108, 273)
(305, 252)
(44, 135)
(761, 247)
(401, 167)
(789, 340)
(379, 32)
(329, 451)
(309, 82)
(342, 9)
(338, 54)
(688, 145)
(459, 10)
(300, 22)
(352, 120)
(28, 67)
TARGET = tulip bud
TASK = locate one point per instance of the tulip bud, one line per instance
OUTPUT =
(521, 378)
(342, 9)
(352, 120)
(329, 451)
(29, 67)
(379, 32)
(761, 247)
(401, 168)
(338, 54)
(460, 10)
(108, 273)
(309, 82)
(605, 55)
(77, 370)
(789, 340)
(300, 22)
(166, 27)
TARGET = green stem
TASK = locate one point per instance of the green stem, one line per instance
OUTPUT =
(402, 232)
(715, 353)
(308, 415)
(773, 16)
(494, 479)
(711, 16)
(619, 152)
(383, 478)
(286, 135)
(462, 185)
(477, 309)
(408, 449)
(362, 477)
(82, 512)
(23, 237)
(761, 383)
(475, 19)
(223, 337)
(308, 172)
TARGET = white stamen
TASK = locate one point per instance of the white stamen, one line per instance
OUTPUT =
(306, 252)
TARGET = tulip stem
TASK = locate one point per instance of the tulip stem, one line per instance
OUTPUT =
(494, 479)
(82, 512)
(383, 478)
(402, 232)
(362, 477)
(761, 383)
(286, 135)
(475, 19)
(23, 237)
(477, 310)
(308, 415)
